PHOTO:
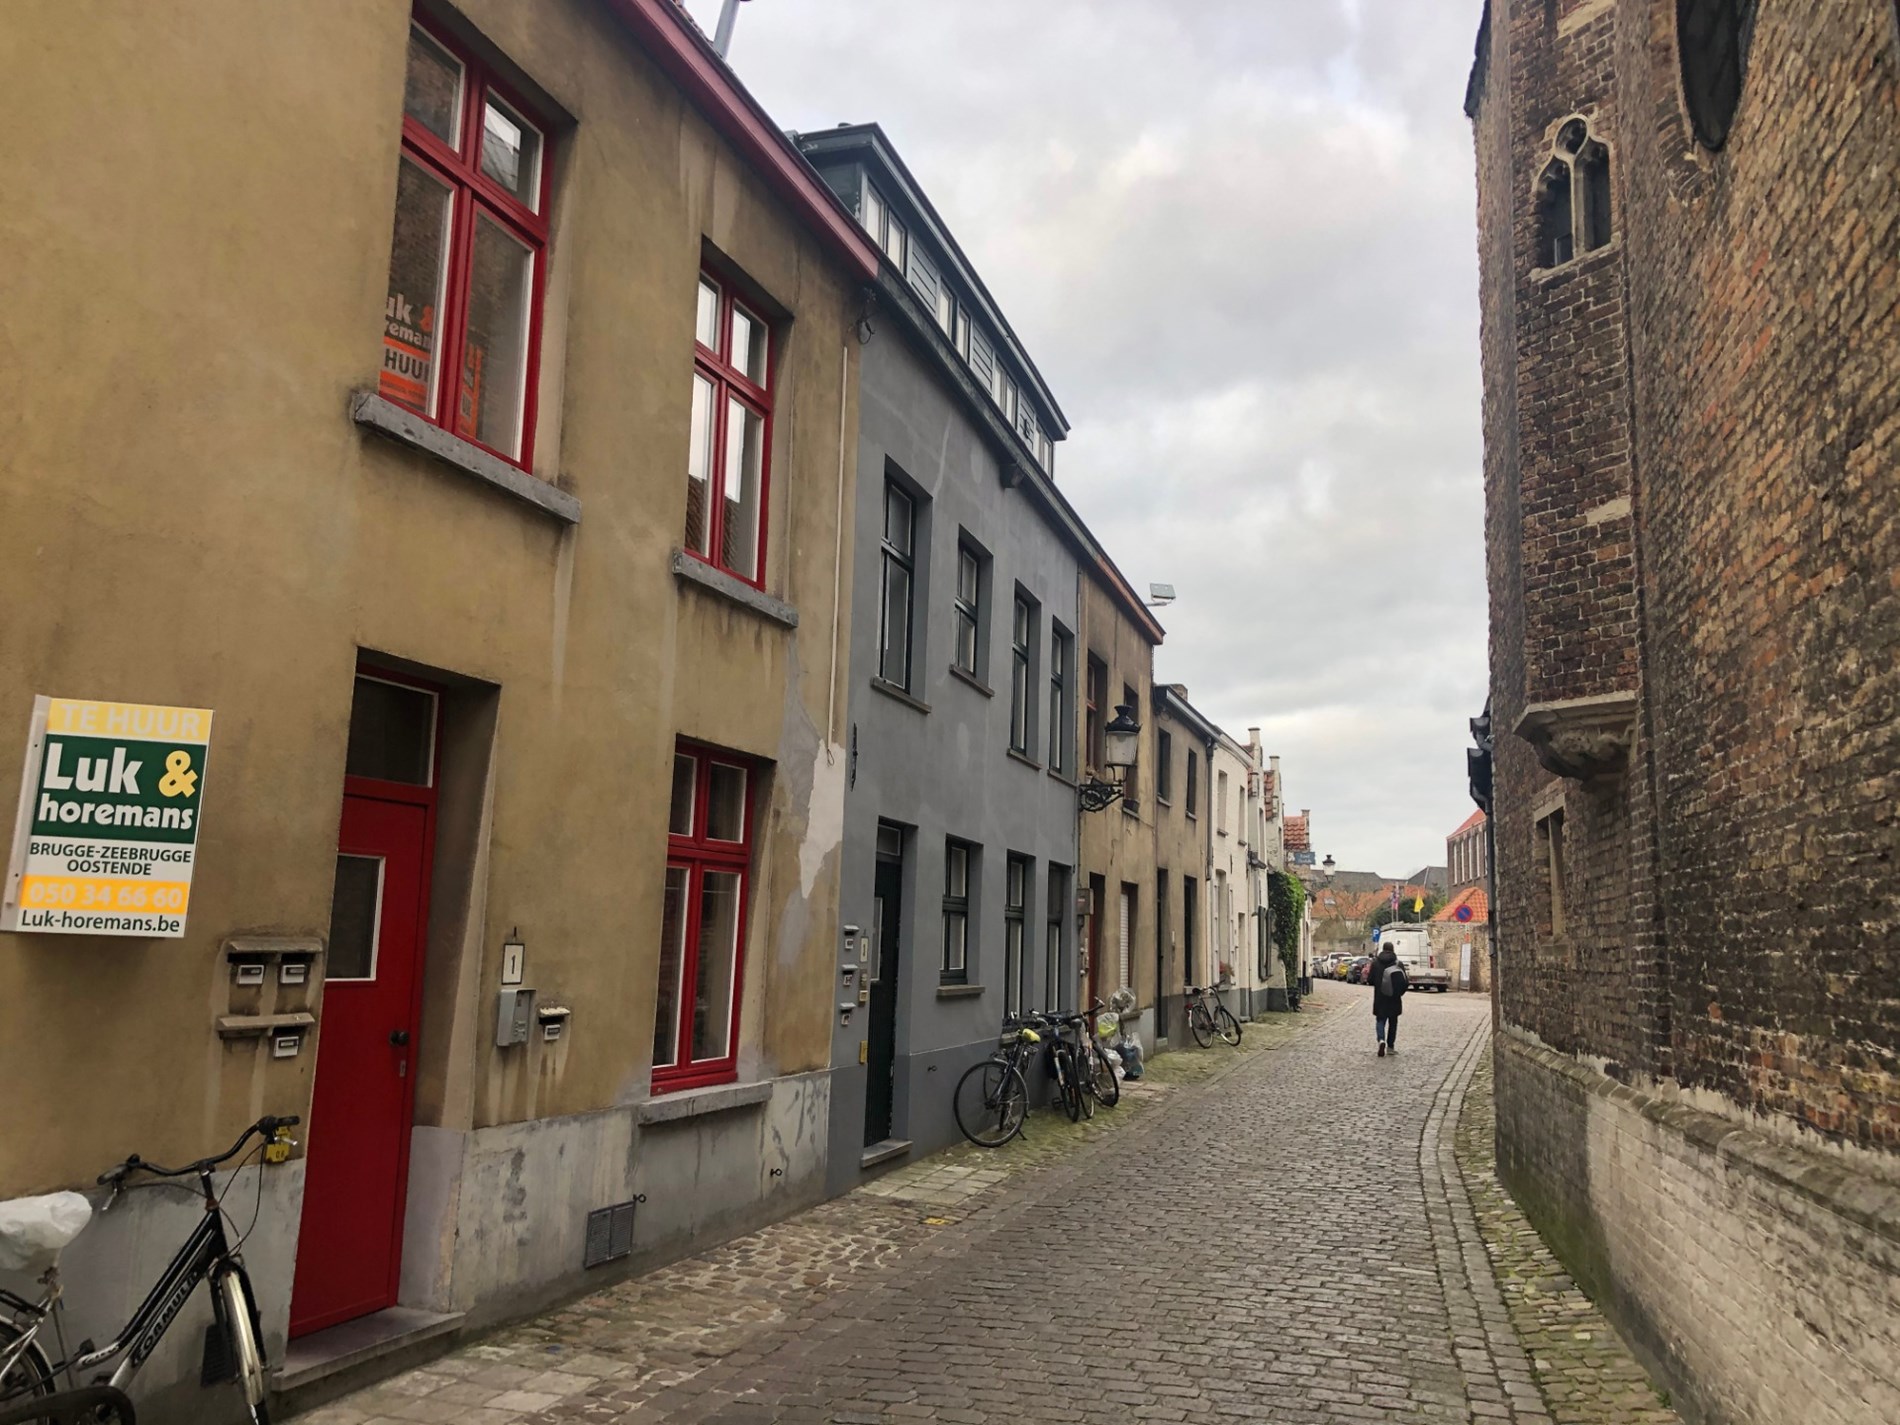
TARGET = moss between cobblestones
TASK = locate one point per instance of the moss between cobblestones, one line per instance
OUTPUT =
(1586, 1374)
(949, 1183)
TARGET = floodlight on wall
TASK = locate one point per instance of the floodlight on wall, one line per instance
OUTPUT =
(1159, 595)
(1121, 746)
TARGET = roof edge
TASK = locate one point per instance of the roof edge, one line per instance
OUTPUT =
(689, 60)
(848, 137)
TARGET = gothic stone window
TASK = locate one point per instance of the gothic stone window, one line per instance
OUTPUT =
(1712, 40)
(1573, 197)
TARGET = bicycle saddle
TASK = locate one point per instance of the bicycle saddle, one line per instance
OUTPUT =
(34, 1229)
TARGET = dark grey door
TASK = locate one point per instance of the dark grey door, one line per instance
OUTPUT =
(881, 1055)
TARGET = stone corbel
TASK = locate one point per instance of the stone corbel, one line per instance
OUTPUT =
(1582, 737)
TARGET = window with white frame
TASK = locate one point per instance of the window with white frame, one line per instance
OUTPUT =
(958, 867)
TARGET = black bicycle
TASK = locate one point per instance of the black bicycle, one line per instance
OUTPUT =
(30, 1379)
(991, 1100)
(1208, 1017)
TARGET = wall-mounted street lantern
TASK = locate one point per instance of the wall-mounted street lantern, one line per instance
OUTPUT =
(1121, 742)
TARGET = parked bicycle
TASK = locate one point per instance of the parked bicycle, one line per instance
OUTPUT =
(1209, 1018)
(992, 1098)
(30, 1378)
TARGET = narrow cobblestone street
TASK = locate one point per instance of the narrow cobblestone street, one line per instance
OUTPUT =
(1280, 1234)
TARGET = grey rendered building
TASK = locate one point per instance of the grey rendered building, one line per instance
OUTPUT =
(960, 809)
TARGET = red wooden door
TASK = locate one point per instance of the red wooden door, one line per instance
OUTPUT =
(349, 1243)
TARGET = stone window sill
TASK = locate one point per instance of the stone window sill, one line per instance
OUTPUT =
(1025, 759)
(959, 991)
(891, 690)
(697, 1103)
(975, 682)
(697, 572)
(1062, 777)
(1582, 262)
(386, 418)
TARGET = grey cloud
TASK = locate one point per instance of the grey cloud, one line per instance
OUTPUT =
(1237, 237)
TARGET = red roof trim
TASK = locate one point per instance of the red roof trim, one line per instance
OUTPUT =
(689, 61)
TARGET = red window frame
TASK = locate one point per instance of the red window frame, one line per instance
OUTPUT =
(475, 194)
(697, 854)
(730, 383)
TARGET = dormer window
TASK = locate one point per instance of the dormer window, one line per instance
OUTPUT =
(1573, 197)
(883, 226)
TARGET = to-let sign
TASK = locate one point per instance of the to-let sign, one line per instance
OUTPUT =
(107, 831)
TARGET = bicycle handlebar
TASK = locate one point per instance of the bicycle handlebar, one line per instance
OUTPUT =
(265, 1127)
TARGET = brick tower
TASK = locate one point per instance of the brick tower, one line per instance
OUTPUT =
(1689, 234)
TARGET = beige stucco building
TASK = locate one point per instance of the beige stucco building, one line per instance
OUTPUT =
(1116, 874)
(507, 557)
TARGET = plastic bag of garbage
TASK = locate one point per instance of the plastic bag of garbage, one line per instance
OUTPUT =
(1131, 1057)
(33, 1229)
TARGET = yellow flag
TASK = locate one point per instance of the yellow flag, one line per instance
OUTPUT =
(1418, 904)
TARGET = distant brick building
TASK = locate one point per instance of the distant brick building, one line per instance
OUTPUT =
(1690, 258)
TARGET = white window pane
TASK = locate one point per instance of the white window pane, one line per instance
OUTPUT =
(666, 1013)
(957, 879)
(745, 456)
(495, 349)
(966, 576)
(873, 213)
(699, 467)
(946, 307)
(706, 320)
(894, 242)
(725, 803)
(749, 338)
(717, 955)
(432, 89)
(511, 152)
(897, 519)
(894, 657)
(417, 264)
(685, 783)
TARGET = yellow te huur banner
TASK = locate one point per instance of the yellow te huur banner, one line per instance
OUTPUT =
(107, 831)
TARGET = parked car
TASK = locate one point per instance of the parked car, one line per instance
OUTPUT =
(1358, 969)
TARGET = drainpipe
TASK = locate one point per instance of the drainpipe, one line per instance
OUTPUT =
(837, 556)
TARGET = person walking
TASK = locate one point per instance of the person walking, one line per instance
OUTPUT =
(1389, 984)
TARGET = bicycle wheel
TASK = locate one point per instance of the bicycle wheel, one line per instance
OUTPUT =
(1068, 1084)
(1227, 1026)
(1202, 1026)
(990, 1103)
(247, 1354)
(30, 1376)
(1104, 1086)
(87, 1405)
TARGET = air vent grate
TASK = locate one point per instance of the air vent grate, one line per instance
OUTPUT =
(609, 1234)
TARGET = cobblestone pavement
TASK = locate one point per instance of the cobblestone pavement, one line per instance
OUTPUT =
(1280, 1233)
(1582, 1368)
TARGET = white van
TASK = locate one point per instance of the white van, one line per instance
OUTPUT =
(1413, 945)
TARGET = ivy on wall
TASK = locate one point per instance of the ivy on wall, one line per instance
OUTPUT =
(1286, 897)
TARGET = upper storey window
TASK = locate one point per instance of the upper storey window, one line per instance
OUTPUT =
(1712, 39)
(462, 322)
(884, 227)
(1573, 197)
(727, 470)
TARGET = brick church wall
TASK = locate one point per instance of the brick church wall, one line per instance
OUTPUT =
(1692, 477)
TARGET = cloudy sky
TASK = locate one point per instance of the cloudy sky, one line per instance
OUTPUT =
(1237, 238)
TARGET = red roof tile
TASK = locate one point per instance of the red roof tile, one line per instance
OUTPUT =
(1473, 896)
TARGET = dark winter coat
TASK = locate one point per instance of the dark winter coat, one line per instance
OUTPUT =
(1385, 1006)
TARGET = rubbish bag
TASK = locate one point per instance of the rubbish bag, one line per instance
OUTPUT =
(1131, 1056)
(33, 1229)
